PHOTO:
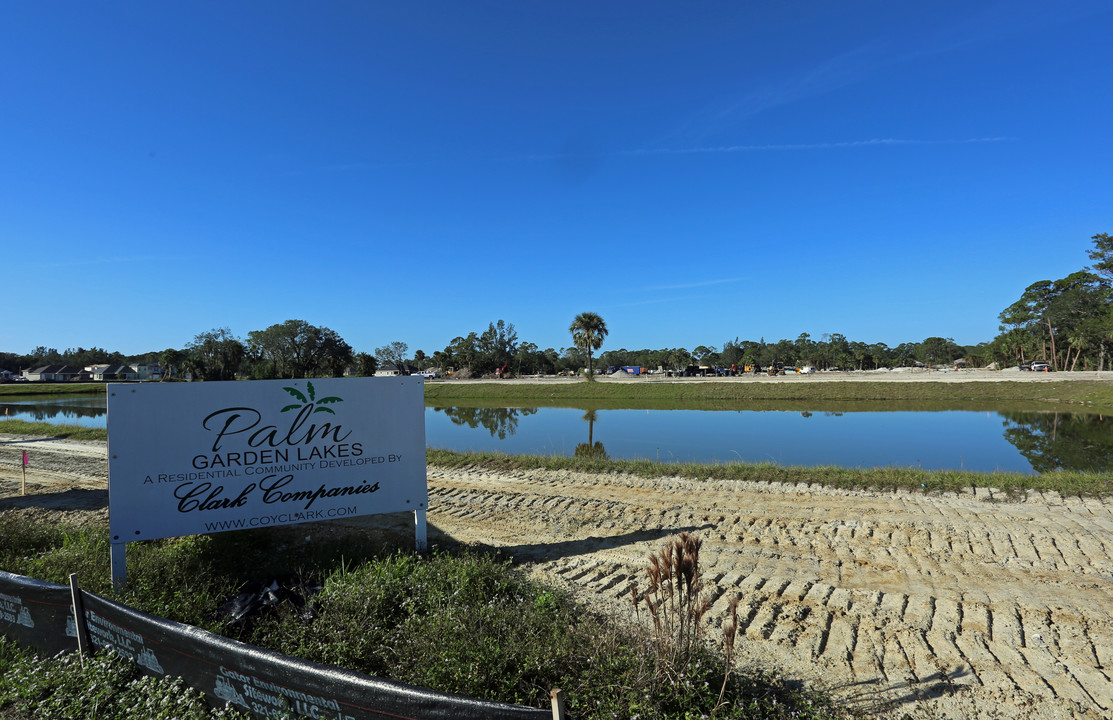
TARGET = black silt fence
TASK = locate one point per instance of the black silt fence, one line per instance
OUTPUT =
(40, 615)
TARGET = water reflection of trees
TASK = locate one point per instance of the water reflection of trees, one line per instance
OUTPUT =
(1062, 441)
(592, 449)
(500, 422)
(49, 413)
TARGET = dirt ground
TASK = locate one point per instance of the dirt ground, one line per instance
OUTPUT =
(971, 604)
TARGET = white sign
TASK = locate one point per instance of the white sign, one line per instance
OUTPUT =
(191, 458)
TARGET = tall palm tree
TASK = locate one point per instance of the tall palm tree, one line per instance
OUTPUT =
(588, 331)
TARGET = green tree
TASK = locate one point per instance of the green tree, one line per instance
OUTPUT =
(836, 351)
(496, 346)
(1100, 325)
(80, 357)
(45, 356)
(549, 360)
(393, 354)
(732, 353)
(905, 354)
(1029, 315)
(215, 355)
(938, 351)
(804, 351)
(1049, 310)
(588, 331)
(617, 358)
(461, 352)
(703, 353)
(528, 359)
(333, 356)
(571, 359)
(296, 349)
(863, 356)
(366, 364)
(170, 360)
(1078, 309)
(1103, 254)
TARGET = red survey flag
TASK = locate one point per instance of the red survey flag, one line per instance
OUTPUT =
(24, 458)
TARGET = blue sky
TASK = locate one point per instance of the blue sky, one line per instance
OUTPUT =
(410, 171)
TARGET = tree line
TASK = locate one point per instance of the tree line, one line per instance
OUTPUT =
(832, 351)
(1067, 323)
(297, 349)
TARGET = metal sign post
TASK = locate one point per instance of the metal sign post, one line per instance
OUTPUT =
(421, 543)
(119, 565)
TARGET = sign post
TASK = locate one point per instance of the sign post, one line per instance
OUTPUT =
(422, 543)
(193, 458)
(23, 482)
(118, 564)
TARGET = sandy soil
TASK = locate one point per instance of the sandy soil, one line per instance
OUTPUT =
(970, 604)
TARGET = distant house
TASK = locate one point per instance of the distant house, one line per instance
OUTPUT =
(46, 372)
(53, 373)
(141, 371)
(148, 371)
(68, 373)
(106, 373)
(100, 373)
(393, 370)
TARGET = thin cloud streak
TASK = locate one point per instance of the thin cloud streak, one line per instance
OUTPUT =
(653, 301)
(859, 64)
(727, 149)
(876, 142)
(674, 298)
(687, 286)
(103, 261)
(842, 70)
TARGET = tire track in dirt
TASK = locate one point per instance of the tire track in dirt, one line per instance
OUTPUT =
(67, 463)
(882, 597)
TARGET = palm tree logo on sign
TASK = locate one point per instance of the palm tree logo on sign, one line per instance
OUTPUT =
(310, 405)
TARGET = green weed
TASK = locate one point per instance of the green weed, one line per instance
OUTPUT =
(463, 622)
(42, 429)
(104, 686)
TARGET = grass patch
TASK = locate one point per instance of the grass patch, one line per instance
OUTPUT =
(650, 394)
(52, 389)
(41, 429)
(465, 622)
(875, 479)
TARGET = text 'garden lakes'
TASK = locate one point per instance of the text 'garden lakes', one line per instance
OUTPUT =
(340, 455)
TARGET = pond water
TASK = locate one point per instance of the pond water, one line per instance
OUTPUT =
(83, 410)
(984, 441)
